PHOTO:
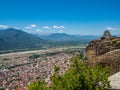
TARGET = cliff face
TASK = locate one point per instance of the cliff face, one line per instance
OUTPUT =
(105, 51)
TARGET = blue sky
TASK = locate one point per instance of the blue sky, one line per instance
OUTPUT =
(89, 17)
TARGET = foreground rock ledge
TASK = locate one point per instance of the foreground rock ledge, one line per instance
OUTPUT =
(115, 81)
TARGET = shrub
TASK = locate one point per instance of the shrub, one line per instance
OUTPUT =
(114, 42)
(78, 77)
(56, 68)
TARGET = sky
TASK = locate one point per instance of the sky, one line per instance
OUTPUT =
(83, 17)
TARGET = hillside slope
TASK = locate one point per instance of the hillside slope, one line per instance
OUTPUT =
(17, 39)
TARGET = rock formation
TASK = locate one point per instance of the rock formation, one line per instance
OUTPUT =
(107, 35)
(105, 51)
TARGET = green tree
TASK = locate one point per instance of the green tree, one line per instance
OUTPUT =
(38, 85)
(114, 42)
(56, 68)
(79, 77)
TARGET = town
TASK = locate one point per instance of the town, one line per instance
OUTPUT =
(18, 70)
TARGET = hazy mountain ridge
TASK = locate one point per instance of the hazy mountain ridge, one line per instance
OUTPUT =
(18, 39)
(11, 39)
(63, 39)
(67, 37)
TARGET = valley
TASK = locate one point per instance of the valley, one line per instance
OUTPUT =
(59, 44)
(21, 68)
(12, 40)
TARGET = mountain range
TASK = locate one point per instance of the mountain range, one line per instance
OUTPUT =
(11, 39)
(18, 39)
(66, 37)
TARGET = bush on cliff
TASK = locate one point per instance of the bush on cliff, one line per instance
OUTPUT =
(78, 77)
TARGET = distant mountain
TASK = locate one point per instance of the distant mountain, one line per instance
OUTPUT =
(63, 39)
(57, 37)
(17, 39)
(12, 39)
(66, 37)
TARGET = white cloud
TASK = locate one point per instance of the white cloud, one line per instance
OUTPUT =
(38, 31)
(31, 26)
(3, 26)
(58, 27)
(62, 27)
(60, 31)
(110, 28)
(27, 27)
(46, 27)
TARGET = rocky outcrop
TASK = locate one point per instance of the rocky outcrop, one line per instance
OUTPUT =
(105, 51)
(106, 35)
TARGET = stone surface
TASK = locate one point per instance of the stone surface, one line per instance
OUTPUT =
(105, 51)
(102, 46)
(115, 81)
(106, 35)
